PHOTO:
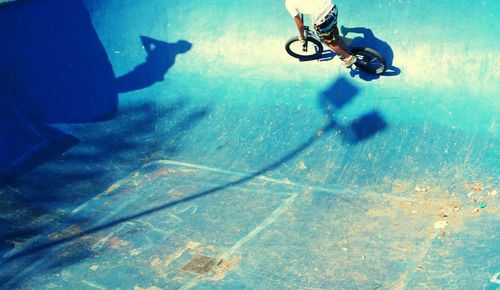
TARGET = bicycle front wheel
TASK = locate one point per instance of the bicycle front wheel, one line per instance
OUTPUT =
(369, 60)
(309, 50)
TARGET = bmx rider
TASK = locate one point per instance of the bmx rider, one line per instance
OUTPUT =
(323, 14)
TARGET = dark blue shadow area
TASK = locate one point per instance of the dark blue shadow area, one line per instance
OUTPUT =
(365, 127)
(366, 38)
(54, 67)
(336, 97)
(161, 56)
(107, 151)
(30, 142)
(55, 70)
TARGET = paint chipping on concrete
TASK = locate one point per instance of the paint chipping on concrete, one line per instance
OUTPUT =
(147, 288)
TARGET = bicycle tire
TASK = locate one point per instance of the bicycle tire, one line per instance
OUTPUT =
(294, 48)
(369, 60)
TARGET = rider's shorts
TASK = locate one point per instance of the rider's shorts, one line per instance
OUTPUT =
(324, 27)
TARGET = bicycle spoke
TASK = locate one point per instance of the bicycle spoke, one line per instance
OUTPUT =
(313, 48)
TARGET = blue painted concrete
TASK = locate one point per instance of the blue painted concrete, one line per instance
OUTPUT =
(136, 135)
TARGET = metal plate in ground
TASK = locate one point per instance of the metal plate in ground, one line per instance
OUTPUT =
(201, 265)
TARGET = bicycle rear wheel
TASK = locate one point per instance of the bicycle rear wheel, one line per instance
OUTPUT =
(369, 60)
(312, 48)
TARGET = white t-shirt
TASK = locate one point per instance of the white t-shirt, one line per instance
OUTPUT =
(316, 9)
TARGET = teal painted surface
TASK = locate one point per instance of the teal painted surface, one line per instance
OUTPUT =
(235, 150)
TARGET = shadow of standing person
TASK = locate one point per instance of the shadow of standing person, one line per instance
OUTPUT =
(368, 39)
(161, 56)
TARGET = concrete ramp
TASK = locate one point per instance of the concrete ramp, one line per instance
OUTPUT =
(175, 145)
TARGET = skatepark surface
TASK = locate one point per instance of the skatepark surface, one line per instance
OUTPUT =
(176, 145)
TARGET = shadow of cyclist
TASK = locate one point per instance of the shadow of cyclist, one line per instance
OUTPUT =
(368, 39)
(161, 56)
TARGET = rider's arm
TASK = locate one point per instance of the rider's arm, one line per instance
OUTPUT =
(300, 26)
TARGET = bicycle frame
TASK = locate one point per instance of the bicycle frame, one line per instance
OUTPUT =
(308, 33)
(368, 59)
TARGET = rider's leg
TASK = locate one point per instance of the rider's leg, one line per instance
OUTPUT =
(336, 46)
(335, 43)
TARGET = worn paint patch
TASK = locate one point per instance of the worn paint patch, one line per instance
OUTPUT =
(211, 268)
(67, 232)
(148, 288)
(109, 190)
(160, 265)
(224, 267)
(116, 243)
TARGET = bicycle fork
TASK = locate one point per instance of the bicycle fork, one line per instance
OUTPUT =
(306, 38)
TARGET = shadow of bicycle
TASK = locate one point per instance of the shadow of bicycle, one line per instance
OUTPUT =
(366, 38)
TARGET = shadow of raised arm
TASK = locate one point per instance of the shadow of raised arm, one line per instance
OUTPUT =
(161, 57)
(367, 33)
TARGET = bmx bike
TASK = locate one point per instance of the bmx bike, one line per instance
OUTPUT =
(369, 60)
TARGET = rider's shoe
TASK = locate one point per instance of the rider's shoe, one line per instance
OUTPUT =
(349, 61)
